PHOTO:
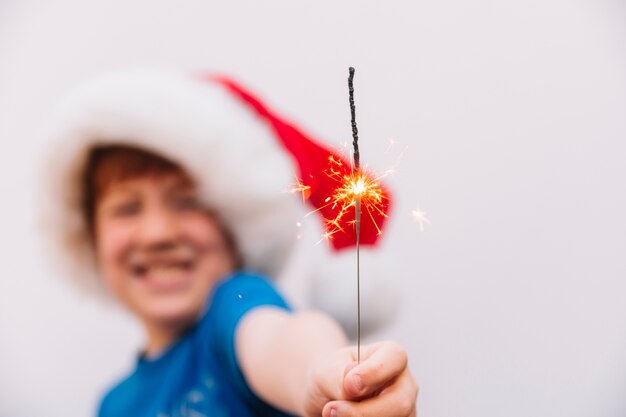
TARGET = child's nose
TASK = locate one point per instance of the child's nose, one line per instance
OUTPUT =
(158, 225)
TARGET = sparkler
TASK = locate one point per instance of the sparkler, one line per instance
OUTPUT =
(350, 186)
(357, 187)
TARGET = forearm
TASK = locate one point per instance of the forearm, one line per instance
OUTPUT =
(276, 350)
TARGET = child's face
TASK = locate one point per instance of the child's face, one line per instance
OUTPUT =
(160, 252)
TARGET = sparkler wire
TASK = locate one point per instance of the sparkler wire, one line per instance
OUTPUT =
(357, 216)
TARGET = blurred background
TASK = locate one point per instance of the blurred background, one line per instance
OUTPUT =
(511, 120)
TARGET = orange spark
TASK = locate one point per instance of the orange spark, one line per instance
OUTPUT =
(299, 187)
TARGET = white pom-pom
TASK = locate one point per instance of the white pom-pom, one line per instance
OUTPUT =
(334, 289)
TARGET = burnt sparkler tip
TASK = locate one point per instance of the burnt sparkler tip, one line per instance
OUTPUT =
(355, 132)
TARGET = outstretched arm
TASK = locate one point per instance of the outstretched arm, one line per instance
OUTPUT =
(301, 363)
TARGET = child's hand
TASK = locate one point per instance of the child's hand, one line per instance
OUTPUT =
(381, 385)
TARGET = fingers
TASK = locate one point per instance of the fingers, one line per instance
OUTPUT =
(328, 373)
(397, 400)
(382, 364)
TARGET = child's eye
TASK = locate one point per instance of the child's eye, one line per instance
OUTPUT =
(188, 202)
(126, 209)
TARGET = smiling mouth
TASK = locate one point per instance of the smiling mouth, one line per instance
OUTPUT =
(164, 277)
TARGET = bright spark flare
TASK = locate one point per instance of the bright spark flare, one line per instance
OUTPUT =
(350, 187)
(298, 235)
(326, 237)
(299, 187)
(420, 217)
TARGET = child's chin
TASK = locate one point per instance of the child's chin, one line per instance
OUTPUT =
(172, 311)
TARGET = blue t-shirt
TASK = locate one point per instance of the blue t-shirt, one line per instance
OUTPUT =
(199, 375)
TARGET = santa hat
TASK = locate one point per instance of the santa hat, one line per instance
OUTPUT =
(243, 157)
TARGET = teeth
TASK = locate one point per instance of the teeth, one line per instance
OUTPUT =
(161, 270)
(165, 269)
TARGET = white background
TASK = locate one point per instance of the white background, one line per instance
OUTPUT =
(513, 115)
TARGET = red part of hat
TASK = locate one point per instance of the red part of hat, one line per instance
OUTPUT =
(313, 161)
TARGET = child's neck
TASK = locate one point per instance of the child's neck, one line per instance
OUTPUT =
(160, 338)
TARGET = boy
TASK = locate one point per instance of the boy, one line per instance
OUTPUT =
(171, 243)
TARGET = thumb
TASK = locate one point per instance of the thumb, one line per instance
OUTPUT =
(349, 367)
(378, 369)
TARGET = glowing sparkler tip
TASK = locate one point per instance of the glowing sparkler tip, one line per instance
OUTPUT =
(358, 186)
(351, 187)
